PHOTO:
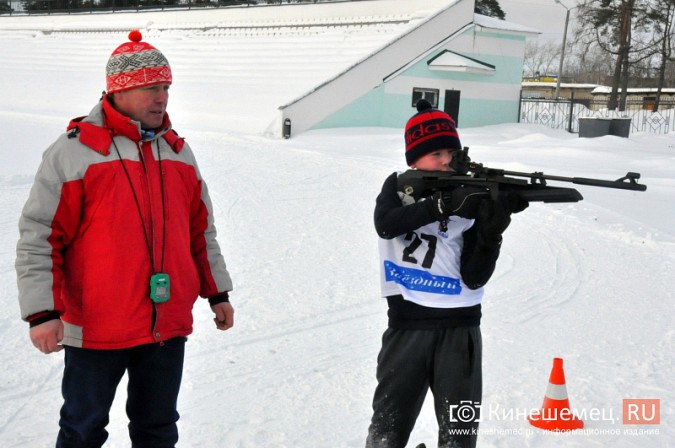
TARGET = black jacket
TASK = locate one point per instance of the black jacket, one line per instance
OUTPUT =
(477, 260)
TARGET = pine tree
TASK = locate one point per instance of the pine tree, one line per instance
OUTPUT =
(618, 27)
(663, 16)
(489, 8)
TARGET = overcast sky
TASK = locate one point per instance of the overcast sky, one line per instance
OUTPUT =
(546, 16)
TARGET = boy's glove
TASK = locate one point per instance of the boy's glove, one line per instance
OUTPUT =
(464, 202)
(515, 203)
(494, 216)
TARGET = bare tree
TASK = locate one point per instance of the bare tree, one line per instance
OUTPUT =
(540, 57)
(588, 63)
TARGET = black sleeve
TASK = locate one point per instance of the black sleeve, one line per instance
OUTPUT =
(392, 218)
(219, 298)
(478, 259)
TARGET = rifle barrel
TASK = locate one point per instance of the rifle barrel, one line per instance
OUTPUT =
(628, 182)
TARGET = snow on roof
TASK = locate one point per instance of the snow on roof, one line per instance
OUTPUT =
(255, 16)
(498, 24)
(607, 90)
(452, 61)
(268, 55)
(566, 85)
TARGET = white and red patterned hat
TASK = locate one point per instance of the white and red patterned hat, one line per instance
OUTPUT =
(136, 64)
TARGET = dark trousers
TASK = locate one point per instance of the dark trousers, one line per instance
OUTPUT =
(90, 379)
(447, 361)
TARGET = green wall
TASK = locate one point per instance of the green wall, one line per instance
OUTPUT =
(378, 108)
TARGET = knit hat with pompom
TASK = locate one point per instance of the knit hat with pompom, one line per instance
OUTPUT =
(428, 131)
(136, 64)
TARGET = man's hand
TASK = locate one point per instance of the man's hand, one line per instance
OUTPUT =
(46, 336)
(224, 315)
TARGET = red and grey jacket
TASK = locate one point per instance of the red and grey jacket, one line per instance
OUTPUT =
(108, 209)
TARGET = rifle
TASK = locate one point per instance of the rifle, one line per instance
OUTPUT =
(531, 187)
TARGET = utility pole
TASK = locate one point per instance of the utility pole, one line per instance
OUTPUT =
(562, 52)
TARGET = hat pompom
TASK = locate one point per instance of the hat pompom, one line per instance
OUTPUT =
(423, 105)
(135, 36)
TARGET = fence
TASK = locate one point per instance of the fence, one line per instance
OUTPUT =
(35, 7)
(565, 114)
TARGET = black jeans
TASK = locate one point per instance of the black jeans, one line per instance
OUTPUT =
(90, 379)
(447, 361)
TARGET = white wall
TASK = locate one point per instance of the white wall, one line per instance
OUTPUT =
(355, 82)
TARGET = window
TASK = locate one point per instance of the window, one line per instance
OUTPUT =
(430, 95)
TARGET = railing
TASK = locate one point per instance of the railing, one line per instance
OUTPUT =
(37, 7)
(565, 114)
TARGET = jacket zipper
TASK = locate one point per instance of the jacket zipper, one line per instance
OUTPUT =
(145, 182)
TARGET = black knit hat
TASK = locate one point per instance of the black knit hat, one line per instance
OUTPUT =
(428, 131)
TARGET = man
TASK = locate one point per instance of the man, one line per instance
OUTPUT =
(117, 240)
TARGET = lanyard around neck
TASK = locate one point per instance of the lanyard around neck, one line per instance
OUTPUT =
(149, 246)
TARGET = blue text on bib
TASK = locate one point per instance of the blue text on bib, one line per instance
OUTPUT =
(418, 280)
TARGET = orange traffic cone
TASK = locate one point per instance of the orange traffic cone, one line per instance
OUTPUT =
(555, 414)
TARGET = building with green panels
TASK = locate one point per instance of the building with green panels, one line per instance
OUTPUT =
(466, 64)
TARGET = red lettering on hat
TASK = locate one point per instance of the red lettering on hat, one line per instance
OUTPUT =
(428, 129)
(414, 133)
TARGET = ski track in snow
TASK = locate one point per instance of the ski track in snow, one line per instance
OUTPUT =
(309, 322)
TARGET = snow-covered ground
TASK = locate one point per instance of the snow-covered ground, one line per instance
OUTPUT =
(589, 282)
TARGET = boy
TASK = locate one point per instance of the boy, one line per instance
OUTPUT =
(436, 255)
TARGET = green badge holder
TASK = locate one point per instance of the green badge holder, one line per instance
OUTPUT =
(160, 288)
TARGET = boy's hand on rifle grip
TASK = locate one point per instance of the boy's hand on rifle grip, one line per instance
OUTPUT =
(514, 202)
(495, 215)
(464, 202)
(493, 218)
